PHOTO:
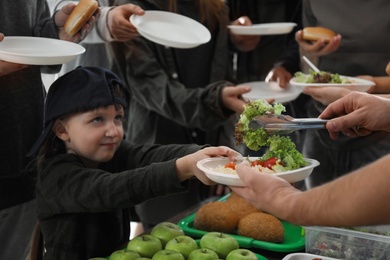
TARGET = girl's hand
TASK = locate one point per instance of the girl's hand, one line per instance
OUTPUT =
(186, 166)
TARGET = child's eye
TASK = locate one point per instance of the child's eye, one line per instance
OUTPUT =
(119, 118)
(98, 119)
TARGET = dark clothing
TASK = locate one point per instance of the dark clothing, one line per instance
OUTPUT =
(162, 108)
(272, 49)
(21, 101)
(363, 51)
(21, 119)
(83, 212)
(175, 98)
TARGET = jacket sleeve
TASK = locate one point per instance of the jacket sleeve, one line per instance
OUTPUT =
(153, 82)
(136, 174)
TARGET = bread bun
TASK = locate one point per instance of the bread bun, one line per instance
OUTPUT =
(318, 33)
(388, 69)
(80, 15)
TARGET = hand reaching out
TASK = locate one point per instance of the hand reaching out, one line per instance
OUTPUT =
(357, 114)
(186, 166)
(119, 24)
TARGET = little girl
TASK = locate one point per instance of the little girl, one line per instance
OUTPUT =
(89, 177)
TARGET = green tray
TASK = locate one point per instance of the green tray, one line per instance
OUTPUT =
(293, 238)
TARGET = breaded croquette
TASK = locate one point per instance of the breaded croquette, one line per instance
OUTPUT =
(240, 206)
(216, 216)
(261, 226)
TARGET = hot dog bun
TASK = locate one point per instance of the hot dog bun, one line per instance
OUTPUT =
(317, 33)
(80, 15)
(388, 69)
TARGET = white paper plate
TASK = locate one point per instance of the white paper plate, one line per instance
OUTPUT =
(38, 50)
(356, 84)
(306, 256)
(263, 28)
(209, 164)
(268, 90)
(171, 29)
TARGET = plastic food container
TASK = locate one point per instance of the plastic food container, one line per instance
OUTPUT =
(347, 244)
(306, 256)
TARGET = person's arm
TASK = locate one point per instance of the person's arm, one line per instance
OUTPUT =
(358, 198)
(154, 83)
(369, 112)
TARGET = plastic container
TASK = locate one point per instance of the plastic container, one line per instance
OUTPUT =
(306, 256)
(346, 244)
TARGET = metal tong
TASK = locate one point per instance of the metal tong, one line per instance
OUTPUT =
(285, 124)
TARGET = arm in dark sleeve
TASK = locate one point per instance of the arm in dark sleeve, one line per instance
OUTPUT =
(153, 83)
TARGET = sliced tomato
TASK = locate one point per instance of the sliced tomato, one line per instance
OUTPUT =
(257, 162)
(269, 163)
(230, 165)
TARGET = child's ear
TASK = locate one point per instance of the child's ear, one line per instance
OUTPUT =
(60, 130)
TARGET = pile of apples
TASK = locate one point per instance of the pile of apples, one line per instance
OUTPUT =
(167, 241)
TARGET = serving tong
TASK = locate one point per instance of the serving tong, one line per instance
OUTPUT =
(285, 124)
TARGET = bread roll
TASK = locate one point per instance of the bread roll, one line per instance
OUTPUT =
(80, 15)
(318, 33)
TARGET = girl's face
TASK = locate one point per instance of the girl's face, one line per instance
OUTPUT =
(94, 135)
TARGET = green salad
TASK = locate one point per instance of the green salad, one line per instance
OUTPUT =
(280, 147)
(320, 77)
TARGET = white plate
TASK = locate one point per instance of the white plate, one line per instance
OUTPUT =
(209, 164)
(171, 29)
(263, 28)
(306, 256)
(356, 84)
(38, 50)
(268, 90)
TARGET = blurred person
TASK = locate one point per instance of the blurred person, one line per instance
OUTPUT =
(274, 58)
(21, 99)
(112, 25)
(88, 176)
(358, 49)
(180, 95)
(335, 203)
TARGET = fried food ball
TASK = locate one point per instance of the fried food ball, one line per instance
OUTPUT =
(240, 206)
(216, 216)
(261, 226)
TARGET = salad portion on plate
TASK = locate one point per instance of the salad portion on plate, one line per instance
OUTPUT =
(327, 79)
(281, 157)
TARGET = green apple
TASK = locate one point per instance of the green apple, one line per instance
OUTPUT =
(167, 254)
(124, 255)
(182, 244)
(203, 254)
(145, 245)
(241, 254)
(97, 258)
(166, 231)
(219, 242)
